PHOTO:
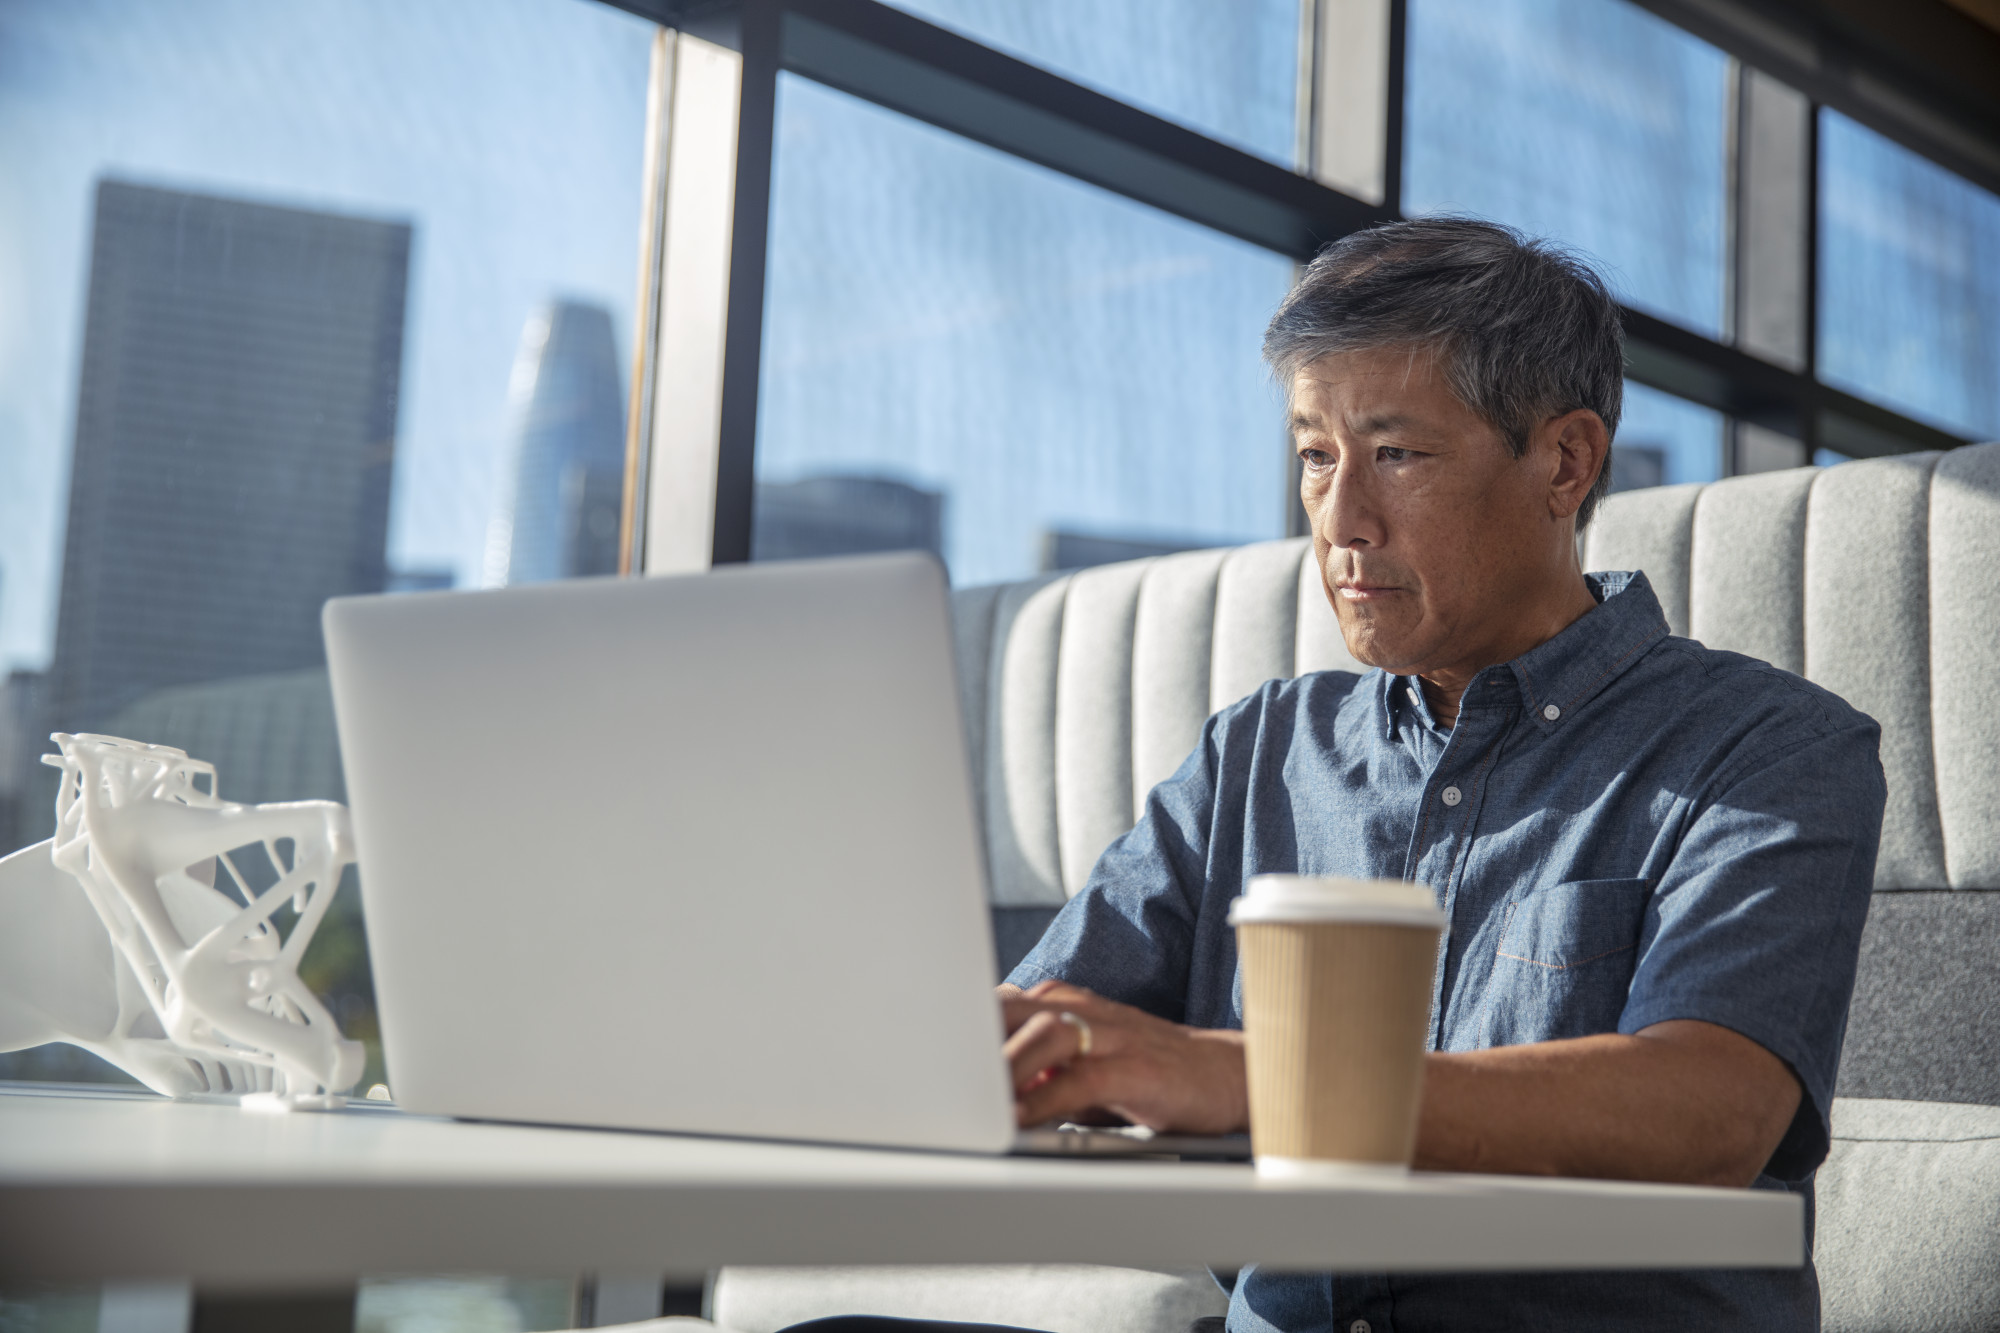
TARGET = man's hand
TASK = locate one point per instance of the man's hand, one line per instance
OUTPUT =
(1152, 1072)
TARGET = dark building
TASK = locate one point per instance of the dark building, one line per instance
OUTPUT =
(1062, 549)
(21, 749)
(562, 519)
(1637, 466)
(844, 515)
(234, 439)
(422, 580)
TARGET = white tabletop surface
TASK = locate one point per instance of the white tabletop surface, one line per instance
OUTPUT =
(126, 1187)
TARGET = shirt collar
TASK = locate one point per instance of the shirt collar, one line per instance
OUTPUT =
(1570, 669)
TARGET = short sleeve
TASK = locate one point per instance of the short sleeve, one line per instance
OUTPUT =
(1129, 933)
(1756, 924)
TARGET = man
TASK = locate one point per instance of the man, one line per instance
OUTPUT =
(1655, 858)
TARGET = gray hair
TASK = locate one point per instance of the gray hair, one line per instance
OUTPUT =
(1523, 329)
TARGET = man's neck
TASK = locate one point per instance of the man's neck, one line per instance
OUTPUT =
(1444, 686)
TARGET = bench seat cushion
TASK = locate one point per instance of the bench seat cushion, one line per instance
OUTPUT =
(1908, 1233)
(1058, 1298)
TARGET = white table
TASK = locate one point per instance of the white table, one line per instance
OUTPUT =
(131, 1187)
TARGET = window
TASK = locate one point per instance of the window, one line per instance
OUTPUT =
(1664, 441)
(1589, 121)
(1909, 286)
(301, 300)
(972, 354)
(1230, 71)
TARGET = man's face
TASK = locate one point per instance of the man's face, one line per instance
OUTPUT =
(1434, 540)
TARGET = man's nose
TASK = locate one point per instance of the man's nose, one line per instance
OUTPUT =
(1348, 516)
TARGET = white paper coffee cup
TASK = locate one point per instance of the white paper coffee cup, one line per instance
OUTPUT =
(1337, 979)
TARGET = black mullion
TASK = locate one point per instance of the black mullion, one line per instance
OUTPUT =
(758, 34)
(1812, 243)
(1392, 125)
(896, 60)
(1688, 365)
(1809, 420)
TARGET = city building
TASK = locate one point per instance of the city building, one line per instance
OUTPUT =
(845, 515)
(235, 430)
(561, 515)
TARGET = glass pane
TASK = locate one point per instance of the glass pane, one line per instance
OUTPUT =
(1589, 121)
(1230, 70)
(1909, 281)
(972, 354)
(1664, 441)
(300, 300)
(461, 1304)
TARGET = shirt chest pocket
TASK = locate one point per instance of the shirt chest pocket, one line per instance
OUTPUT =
(1564, 961)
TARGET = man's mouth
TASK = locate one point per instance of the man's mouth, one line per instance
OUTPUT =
(1364, 592)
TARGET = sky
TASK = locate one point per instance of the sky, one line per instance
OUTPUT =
(512, 144)
(937, 312)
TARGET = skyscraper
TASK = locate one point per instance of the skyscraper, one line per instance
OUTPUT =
(561, 518)
(235, 433)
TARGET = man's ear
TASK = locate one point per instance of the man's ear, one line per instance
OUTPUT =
(1578, 449)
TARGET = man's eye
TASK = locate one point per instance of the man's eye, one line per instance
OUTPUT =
(1389, 453)
(1315, 458)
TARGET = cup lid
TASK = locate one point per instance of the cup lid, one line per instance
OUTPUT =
(1306, 898)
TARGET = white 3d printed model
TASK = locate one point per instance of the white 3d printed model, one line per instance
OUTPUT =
(150, 966)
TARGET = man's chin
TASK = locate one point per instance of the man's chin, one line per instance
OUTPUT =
(1371, 646)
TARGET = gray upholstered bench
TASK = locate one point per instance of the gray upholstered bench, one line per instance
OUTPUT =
(1879, 579)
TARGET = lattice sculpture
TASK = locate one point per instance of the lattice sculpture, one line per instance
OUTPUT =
(151, 966)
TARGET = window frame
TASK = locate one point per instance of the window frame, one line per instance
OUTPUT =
(896, 60)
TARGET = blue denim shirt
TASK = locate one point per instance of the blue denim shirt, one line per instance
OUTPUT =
(1623, 828)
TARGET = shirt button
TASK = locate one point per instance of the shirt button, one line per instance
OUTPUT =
(1551, 712)
(1360, 1326)
(1452, 796)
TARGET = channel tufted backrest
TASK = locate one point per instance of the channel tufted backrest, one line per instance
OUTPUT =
(1878, 579)
(1084, 690)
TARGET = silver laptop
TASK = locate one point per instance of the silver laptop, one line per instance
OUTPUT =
(693, 854)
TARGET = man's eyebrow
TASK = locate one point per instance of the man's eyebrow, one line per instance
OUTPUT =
(1382, 425)
(1376, 425)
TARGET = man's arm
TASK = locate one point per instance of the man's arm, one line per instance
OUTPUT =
(1684, 1102)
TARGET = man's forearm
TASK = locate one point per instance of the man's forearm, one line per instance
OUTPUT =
(1684, 1102)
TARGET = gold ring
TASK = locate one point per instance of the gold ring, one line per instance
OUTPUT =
(1082, 1032)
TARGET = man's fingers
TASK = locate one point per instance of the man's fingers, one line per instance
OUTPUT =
(1069, 999)
(1068, 1094)
(1015, 1012)
(1041, 1043)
